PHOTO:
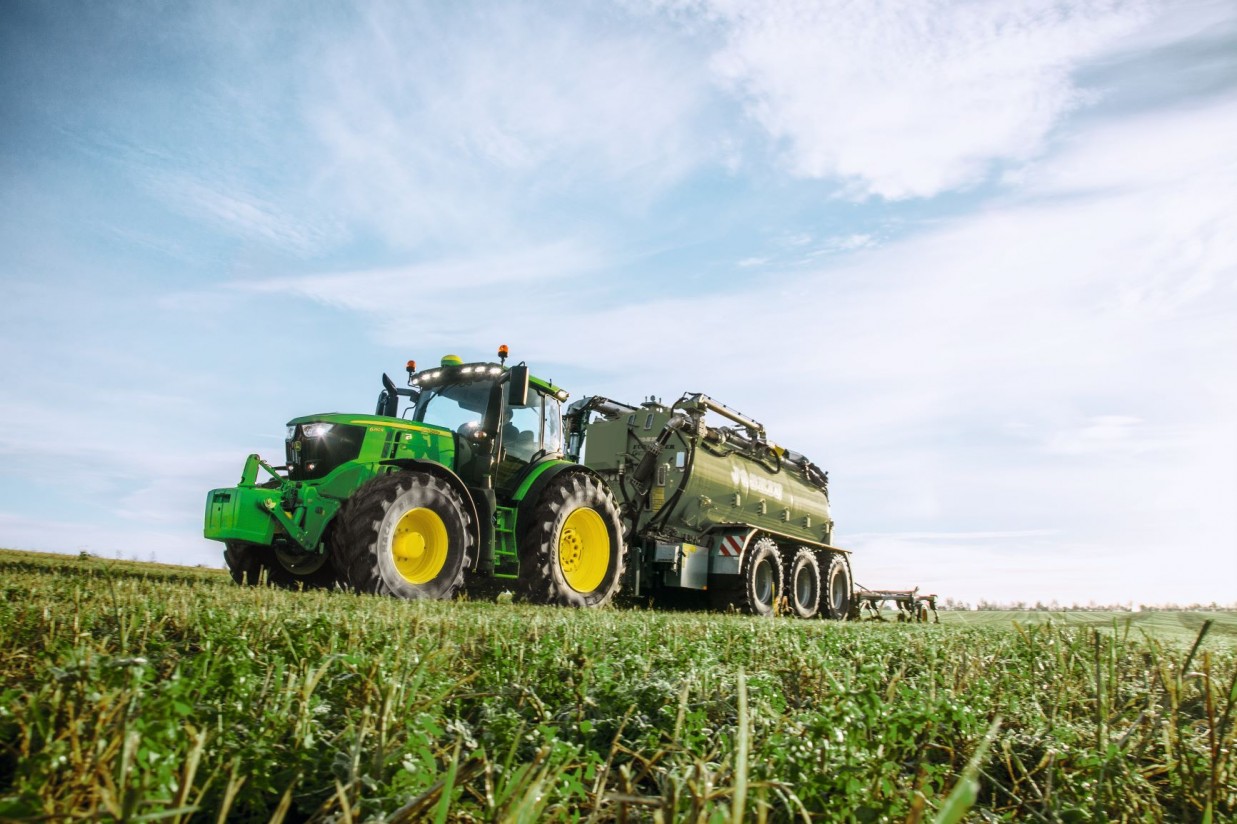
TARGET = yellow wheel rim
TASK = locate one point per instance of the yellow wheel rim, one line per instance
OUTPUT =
(584, 550)
(419, 545)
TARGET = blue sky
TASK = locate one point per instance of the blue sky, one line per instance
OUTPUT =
(979, 260)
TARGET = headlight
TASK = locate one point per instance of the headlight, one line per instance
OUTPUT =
(291, 432)
(316, 430)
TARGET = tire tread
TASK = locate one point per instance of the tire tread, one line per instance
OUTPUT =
(354, 545)
(538, 581)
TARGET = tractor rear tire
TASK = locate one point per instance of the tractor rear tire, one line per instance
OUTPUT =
(839, 594)
(407, 535)
(571, 553)
(803, 584)
(253, 564)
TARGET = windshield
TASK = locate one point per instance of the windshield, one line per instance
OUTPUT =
(454, 405)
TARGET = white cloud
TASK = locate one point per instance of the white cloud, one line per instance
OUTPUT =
(1152, 151)
(911, 100)
(460, 125)
(450, 298)
(233, 210)
(1007, 569)
(1100, 433)
(846, 243)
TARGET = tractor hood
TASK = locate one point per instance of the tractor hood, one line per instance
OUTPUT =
(317, 444)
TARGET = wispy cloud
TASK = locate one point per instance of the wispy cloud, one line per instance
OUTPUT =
(460, 124)
(905, 100)
(450, 296)
(233, 209)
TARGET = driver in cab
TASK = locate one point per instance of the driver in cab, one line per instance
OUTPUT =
(519, 443)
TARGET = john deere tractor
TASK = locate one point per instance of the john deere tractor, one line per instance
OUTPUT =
(457, 479)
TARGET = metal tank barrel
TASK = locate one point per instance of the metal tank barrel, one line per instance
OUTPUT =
(674, 473)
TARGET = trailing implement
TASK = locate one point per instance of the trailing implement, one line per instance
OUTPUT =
(719, 511)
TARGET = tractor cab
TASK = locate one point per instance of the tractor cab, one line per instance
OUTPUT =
(504, 420)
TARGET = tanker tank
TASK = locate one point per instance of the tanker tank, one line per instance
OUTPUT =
(719, 511)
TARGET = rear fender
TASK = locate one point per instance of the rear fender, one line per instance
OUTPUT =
(529, 492)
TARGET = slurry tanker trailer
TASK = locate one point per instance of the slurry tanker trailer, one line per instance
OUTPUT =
(719, 510)
(472, 478)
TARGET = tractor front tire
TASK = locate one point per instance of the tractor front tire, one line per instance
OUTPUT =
(839, 595)
(253, 564)
(407, 535)
(571, 553)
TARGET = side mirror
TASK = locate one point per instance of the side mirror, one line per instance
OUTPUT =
(517, 389)
(388, 401)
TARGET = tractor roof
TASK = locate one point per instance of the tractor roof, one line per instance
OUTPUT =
(453, 369)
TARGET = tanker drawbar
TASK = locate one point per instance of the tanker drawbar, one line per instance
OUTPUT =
(720, 511)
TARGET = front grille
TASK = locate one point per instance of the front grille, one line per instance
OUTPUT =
(312, 458)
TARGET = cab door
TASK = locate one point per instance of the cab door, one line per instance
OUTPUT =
(527, 435)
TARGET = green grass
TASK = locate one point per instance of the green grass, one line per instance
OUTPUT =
(131, 691)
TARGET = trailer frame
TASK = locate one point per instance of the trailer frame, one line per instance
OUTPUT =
(912, 607)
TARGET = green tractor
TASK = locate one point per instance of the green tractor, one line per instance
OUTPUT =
(457, 481)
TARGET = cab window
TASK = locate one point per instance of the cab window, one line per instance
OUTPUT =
(522, 429)
(552, 426)
(536, 427)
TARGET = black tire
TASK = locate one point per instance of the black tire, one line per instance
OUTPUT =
(838, 591)
(253, 564)
(803, 584)
(760, 578)
(407, 535)
(571, 551)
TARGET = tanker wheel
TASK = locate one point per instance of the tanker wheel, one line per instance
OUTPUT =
(252, 564)
(839, 594)
(406, 534)
(761, 577)
(804, 584)
(571, 553)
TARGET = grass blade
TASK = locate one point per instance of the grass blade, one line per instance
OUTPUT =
(740, 755)
(966, 791)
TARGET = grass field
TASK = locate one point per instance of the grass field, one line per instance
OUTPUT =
(145, 692)
(1166, 627)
